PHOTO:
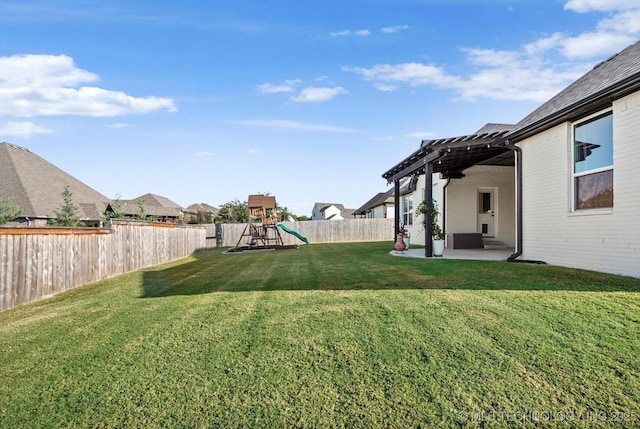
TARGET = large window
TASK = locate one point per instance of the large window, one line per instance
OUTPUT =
(593, 163)
(407, 210)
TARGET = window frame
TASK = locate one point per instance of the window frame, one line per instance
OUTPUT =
(407, 214)
(574, 176)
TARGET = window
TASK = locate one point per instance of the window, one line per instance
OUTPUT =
(407, 210)
(593, 163)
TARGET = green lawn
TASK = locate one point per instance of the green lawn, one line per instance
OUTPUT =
(333, 335)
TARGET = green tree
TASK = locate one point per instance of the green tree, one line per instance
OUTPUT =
(284, 214)
(117, 210)
(142, 209)
(68, 214)
(234, 211)
(8, 211)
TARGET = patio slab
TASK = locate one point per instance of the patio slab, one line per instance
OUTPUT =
(473, 254)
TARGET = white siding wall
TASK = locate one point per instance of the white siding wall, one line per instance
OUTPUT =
(462, 201)
(379, 212)
(606, 241)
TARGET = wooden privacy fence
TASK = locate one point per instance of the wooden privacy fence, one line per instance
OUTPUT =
(37, 263)
(316, 231)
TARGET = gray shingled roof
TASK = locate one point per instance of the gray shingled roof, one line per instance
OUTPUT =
(344, 212)
(379, 199)
(36, 186)
(616, 73)
(202, 207)
(154, 205)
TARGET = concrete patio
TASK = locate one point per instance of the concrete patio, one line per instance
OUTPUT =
(474, 254)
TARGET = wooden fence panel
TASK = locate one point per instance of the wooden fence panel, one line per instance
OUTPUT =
(322, 231)
(36, 263)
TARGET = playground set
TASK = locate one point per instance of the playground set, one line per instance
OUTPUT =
(263, 230)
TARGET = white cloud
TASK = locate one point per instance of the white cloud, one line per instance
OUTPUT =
(535, 72)
(588, 45)
(318, 95)
(204, 154)
(294, 125)
(287, 86)
(385, 87)
(394, 29)
(619, 29)
(118, 126)
(346, 33)
(23, 129)
(253, 151)
(45, 85)
(582, 6)
(414, 74)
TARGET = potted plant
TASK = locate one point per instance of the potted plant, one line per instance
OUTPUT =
(437, 233)
(406, 236)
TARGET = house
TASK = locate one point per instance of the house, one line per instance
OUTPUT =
(200, 213)
(381, 206)
(560, 186)
(160, 208)
(331, 211)
(36, 186)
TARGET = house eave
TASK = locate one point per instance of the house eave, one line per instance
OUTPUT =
(597, 101)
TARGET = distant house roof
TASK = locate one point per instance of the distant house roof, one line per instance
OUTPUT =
(202, 207)
(36, 186)
(154, 205)
(381, 198)
(344, 212)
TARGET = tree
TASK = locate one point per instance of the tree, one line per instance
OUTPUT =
(117, 210)
(142, 209)
(204, 217)
(68, 214)
(284, 214)
(8, 211)
(234, 211)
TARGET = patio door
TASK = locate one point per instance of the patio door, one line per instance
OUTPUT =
(486, 212)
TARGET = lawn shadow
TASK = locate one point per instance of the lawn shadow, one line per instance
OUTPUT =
(369, 269)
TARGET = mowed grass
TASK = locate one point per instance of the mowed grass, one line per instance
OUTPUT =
(332, 335)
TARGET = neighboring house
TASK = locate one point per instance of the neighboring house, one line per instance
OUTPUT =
(198, 212)
(331, 211)
(36, 186)
(561, 186)
(160, 208)
(381, 206)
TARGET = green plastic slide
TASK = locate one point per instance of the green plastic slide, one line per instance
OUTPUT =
(294, 233)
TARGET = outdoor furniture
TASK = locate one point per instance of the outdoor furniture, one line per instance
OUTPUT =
(467, 240)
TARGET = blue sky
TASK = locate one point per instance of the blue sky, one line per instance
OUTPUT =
(207, 101)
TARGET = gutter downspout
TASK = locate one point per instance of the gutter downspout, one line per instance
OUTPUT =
(514, 256)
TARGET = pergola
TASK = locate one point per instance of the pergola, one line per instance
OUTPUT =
(449, 157)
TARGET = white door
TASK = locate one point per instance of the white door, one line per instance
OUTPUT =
(486, 212)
